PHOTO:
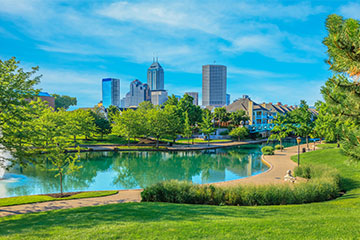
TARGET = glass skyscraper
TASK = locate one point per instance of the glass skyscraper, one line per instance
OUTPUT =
(214, 85)
(110, 92)
(155, 76)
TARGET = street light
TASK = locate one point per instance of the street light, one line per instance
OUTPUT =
(298, 140)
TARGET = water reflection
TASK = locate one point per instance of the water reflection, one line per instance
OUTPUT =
(130, 170)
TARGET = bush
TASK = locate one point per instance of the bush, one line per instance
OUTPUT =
(323, 184)
(226, 132)
(267, 150)
(278, 147)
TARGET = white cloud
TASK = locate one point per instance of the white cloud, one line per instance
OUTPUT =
(351, 10)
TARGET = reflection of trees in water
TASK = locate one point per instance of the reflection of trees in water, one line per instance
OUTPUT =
(133, 169)
(44, 179)
(146, 168)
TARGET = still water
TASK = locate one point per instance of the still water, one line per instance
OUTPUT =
(133, 170)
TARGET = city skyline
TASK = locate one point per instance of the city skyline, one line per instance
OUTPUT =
(269, 54)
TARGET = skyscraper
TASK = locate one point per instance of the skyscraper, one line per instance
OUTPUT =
(214, 85)
(139, 93)
(155, 76)
(227, 99)
(110, 92)
(158, 97)
(195, 96)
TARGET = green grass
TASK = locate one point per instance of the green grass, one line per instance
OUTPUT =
(327, 145)
(336, 219)
(202, 141)
(43, 198)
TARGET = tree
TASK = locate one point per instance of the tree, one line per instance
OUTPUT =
(327, 124)
(51, 134)
(342, 91)
(80, 122)
(173, 125)
(220, 115)
(111, 111)
(157, 123)
(64, 101)
(101, 125)
(239, 132)
(17, 88)
(125, 124)
(302, 123)
(187, 133)
(238, 116)
(206, 126)
(280, 130)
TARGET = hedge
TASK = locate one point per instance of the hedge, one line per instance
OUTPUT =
(267, 150)
(322, 185)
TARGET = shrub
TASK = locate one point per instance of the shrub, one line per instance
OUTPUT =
(223, 133)
(267, 150)
(278, 147)
(323, 184)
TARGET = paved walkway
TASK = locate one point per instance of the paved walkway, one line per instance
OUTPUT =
(279, 164)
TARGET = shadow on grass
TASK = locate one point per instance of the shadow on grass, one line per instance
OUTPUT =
(88, 217)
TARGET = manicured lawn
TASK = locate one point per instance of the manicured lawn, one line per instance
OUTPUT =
(43, 198)
(202, 141)
(337, 219)
(327, 145)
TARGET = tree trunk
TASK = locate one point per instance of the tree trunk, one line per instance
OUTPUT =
(128, 141)
(281, 149)
(338, 141)
(61, 180)
(238, 139)
(157, 142)
(102, 136)
(307, 142)
(208, 139)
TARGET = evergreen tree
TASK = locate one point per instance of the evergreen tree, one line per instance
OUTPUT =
(342, 91)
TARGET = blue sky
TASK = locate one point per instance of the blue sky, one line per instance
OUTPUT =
(272, 49)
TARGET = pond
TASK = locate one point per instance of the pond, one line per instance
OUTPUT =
(134, 170)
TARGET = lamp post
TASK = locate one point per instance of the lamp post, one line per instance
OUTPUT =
(298, 140)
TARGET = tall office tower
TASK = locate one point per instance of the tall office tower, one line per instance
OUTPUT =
(213, 85)
(227, 99)
(110, 92)
(158, 97)
(155, 76)
(195, 96)
(139, 93)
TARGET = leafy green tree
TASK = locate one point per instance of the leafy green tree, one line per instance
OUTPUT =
(173, 126)
(63, 101)
(206, 126)
(281, 129)
(51, 134)
(221, 115)
(157, 123)
(327, 124)
(194, 112)
(101, 125)
(188, 131)
(238, 116)
(342, 91)
(17, 88)
(111, 111)
(239, 133)
(127, 124)
(80, 122)
(302, 122)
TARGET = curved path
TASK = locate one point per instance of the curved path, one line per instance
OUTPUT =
(279, 164)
